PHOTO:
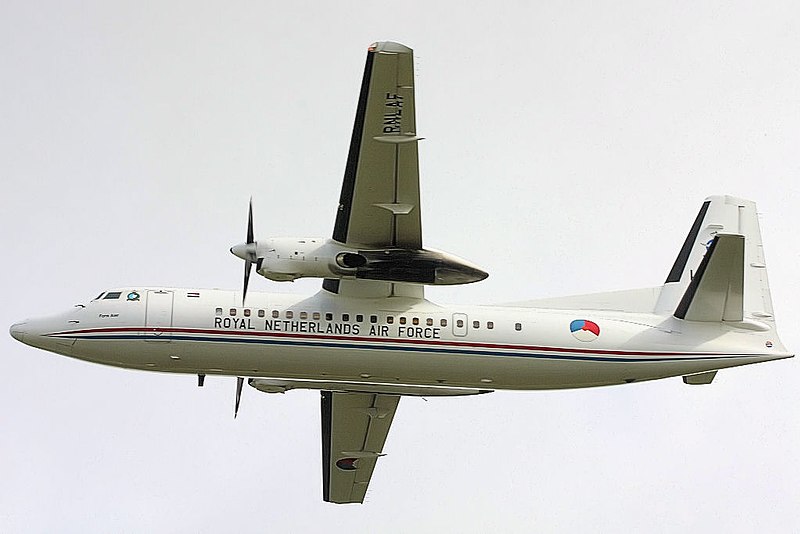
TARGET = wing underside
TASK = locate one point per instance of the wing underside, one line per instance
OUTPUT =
(379, 202)
(379, 206)
(354, 430)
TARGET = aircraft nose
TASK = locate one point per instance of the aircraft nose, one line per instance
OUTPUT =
(17, 331)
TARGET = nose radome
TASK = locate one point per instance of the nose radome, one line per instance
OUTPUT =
(17, 331)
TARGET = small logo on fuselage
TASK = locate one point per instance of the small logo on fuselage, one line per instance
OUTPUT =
(133, 295)
(584, 330)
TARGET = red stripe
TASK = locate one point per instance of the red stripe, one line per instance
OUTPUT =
(387, 340)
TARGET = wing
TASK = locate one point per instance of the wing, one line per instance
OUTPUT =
(379, 204)
(354, 429)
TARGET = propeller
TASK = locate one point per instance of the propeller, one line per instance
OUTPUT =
(248, 251)
(239, 383)
(248, 266)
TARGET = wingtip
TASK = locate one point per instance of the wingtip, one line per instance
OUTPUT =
(389, 47)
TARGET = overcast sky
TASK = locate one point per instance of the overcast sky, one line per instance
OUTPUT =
(568, 148)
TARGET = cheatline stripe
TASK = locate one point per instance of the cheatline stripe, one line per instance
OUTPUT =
(368, 343)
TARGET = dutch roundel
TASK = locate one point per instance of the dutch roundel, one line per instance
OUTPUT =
(347, 464)
(584, 330)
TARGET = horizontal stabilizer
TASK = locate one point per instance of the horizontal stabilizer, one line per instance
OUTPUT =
(716, 291)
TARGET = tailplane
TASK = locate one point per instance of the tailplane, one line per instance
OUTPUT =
(716, 291)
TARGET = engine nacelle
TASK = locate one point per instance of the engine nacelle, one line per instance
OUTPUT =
(284, 259)
(287, 258)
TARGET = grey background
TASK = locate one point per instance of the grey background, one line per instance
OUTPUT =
(568, 149)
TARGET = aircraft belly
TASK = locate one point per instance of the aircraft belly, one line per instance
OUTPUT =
(430, 365)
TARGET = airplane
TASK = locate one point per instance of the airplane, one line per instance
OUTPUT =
(369, 336)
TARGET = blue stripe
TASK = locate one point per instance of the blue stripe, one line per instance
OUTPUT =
(434, 350)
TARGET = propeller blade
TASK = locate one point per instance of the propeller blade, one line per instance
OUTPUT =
(248, 252)
(248, 266)
(239, 383)
(250, 223)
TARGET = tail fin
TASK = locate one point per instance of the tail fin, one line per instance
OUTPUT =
(718, 276)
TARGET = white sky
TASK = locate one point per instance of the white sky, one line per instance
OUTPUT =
(568, 150)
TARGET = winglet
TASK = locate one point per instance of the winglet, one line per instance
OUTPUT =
(716, 292)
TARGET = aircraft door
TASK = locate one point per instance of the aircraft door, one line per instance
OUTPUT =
(460, 324)
(158, 315)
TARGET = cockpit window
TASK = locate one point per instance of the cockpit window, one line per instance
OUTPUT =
(99, 296)
(111, 295)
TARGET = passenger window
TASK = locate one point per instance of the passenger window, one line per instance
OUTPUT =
(489, 325)
(359, 318)
(218, 311)
(373, 319)
(261, 313)
(289, 314)
(415, 321)
(275, 314)
(518, 327)
(460, 323)
(429, 321)
(247, 312)
(443, 322)
(389, 319)
(476, 324)
(111, 295)
(329, 317)
(316, 316)
(303, 316)
(346, 317)
(233, 312)
(402, 320)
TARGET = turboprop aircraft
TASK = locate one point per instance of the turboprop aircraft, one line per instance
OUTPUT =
(369, 336)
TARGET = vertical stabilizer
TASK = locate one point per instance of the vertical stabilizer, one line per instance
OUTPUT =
(721, 215)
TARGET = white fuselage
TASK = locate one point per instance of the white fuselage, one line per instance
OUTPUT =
(394, 340)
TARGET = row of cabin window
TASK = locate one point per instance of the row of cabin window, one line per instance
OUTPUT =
(477, 324)
(289, 314)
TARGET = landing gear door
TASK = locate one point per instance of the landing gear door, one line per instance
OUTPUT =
(460, 324)
(158, 317)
